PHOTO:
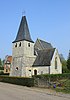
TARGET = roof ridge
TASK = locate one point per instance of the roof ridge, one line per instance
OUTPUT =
(40, 43)
(44, 41)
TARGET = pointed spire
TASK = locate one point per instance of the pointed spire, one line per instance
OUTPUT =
(23, 32)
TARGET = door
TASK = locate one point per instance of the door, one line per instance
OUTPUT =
(35, 72)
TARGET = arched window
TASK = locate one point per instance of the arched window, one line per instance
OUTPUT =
(20, 44)
(56, 63)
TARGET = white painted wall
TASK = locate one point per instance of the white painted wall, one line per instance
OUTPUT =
(40, 70)
(59, 65)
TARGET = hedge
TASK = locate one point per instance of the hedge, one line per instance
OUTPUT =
(2, 73)
(53, 77)
(1, 68)
(30, 81)
(18, 80)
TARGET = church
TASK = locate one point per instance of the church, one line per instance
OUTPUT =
(33, 58)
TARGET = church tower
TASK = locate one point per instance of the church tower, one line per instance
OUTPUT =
(23, 50)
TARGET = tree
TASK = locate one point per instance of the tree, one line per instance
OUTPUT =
(64, 64)
(68, 61)
(0, 63)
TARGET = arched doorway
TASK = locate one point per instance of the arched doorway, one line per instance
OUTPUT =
(35, 72)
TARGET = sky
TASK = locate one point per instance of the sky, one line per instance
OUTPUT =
(48, 20)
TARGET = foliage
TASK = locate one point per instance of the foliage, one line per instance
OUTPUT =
(1, 68)
(18, 80)
(3, 63)
(53, 77)
(59, 82)
(64, 66)
(0, 63)
(2, 73)
(68, 63)
(62, 81)
(65, 86)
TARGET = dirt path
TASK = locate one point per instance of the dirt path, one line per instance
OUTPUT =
(15, 92)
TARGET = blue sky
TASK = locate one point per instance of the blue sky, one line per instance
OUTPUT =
(48, 20)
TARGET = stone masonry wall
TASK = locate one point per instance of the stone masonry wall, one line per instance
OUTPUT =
(23, 56)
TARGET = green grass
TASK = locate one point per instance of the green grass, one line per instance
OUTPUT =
(65, 86)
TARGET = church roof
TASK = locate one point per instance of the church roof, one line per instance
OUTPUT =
(45, 44)
(44, 57)
(40, 45)
(23, 32)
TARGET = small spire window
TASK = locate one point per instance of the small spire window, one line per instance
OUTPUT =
(28, 44)
(20, 44)
(16, 45)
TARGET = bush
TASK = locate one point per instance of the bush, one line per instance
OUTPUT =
(53, 77)
(2, 73)
(18, 80)
(1, 68)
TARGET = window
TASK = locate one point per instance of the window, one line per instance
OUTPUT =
(6, 70)
(29, 70)
(16, 68)
(16, 45)
(56, 63)
(28, 44)
(20, 44)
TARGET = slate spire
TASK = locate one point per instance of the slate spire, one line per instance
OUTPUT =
(23, 32)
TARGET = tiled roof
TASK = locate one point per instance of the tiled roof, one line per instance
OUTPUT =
(44, 57)
(9, 59)
(45, 44)
(23, 32)
(40, 45)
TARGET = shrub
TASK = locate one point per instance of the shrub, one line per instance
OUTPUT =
(53, 77)
(2, 73)
(18, 80)
(1, 68)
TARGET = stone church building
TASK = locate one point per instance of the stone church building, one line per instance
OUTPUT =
(29, 58)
